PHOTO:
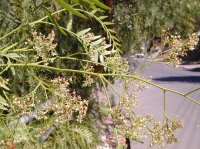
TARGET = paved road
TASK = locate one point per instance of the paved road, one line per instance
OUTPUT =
(152, 102)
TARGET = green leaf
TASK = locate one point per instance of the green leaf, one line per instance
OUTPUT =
(9, 47)
(93, 12)
(83, 32)
(97, 9)
(109, 52)
(86, 3)
(2, 107)
(1, 60)
(111, 30)
(69, 24)
(117, 44)
(107, 46)
(4, 86)
(98, 3)
(96, 37)
(3, 101)
(4, 46)
(13, 55)
(70, 8)
(76, 1)
(115, 38)
(21, 50)
(108, 23)
(102, 17)
(12, 68)
(46, 11)
(96, 42)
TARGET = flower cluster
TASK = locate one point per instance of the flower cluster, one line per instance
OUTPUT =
(23, 105)
(43, 46)
(179, 47)
(137, 128)
(129, 97)
(64, 105)
(134, 127)
(164, 134)
(117, 64)
(88, 79)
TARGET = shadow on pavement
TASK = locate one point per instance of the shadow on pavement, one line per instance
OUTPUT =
(188, 79)
(195, 70)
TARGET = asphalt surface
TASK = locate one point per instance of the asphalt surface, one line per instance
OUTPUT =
(182, 80)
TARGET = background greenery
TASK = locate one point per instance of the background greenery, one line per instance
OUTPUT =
(137, 21)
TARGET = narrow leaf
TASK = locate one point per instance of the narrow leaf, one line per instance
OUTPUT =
(109, 52)
(108, 23)
(83, 32)
(98, 3)
(93, 12)
(69, 24)
(85, 3)
(13, 55)
(115, 38)
(21, 50)
(9, 47)
(111, 30)
(70, 8)
(102, 17)
(46, 11)
(4, 86)
(12, 68)
(96, 42)
(107, 46)
(2, 107)
(76, 1)
(3, 101)
(117, 44)
(96, 37)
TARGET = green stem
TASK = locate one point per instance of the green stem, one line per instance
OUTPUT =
(164, 93)
(97, 75)
(192, 91)
(112, 88)
(10, 33)
(77, 59)
(106, 91)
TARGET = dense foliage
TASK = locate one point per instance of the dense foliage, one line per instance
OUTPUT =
(140, 21)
